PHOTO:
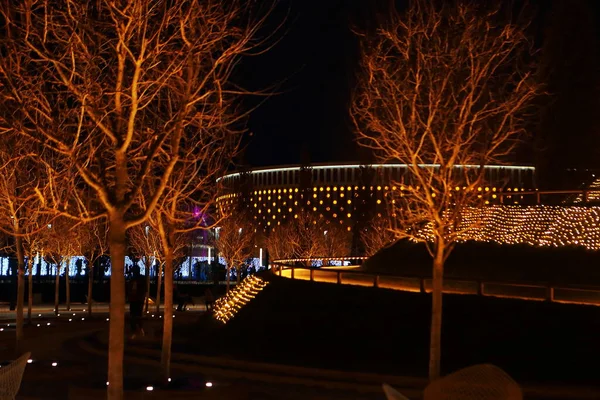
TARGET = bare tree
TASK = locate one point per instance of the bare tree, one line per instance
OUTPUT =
(283, 241)
(92, 245)
(377, 235)
(19, 209)
(337, 241)
(64, 240)
(311, 233)
(441, 89)
(145, 242)
(33, 245)
(234, 241)
(110, 90)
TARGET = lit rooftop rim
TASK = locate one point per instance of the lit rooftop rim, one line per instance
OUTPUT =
(351, 166)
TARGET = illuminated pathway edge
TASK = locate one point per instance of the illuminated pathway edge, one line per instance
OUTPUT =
(350, 275)
(227, 306)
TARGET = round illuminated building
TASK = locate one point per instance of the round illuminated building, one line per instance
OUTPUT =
(344, 194)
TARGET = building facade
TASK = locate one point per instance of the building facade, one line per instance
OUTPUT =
(345, 194)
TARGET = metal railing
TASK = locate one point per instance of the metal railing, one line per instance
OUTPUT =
(537, 291)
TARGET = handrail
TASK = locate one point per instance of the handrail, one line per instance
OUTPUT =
(375, 278)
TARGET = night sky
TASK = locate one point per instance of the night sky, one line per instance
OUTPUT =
(313, 66)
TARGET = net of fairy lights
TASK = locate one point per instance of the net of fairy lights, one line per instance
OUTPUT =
(227, 306)
(550, 226)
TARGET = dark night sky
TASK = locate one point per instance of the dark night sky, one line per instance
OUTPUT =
(315, 61)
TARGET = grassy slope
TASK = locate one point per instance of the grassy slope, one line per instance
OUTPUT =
(371, 330)
(494, 262)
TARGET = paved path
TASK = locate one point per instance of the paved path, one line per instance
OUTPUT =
(47, 310)
(78, 347)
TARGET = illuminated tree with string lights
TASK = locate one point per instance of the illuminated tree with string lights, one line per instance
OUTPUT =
(446, 85)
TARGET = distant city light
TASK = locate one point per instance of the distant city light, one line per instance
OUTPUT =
(209, 384)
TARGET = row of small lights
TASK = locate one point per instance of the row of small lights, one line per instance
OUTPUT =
(318, 258)
(547, 226)
(55, 364)
(227, 306)
(493, 191)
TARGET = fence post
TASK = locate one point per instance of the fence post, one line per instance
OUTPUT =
(422, 284)
(339, 278)
(539, 198)
(585, 196)
(292, 272)
(480, 289)
(312, 275)
(280, 268)
(376, 281)
(550, 293)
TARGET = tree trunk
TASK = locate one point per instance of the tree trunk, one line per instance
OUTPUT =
(90, 300)
(68, 284)
(165, 358)
(116, 340)
(20, 291)
(158, 285)
(147, 300)
(56, 287)
(435, 348)
(30, 288)
(227, 273)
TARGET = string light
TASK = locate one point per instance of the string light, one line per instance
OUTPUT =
(227, 306)
(546, 226)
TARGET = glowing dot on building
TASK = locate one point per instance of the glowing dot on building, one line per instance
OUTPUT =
(149, 388)
(209, 384)
(54, 364)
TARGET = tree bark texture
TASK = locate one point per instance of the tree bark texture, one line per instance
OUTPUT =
(165, 359)
(56, 287)
(30, 289)
(147, 299)
(158, 285)
(20, 291)
(90, 301)
(116, 340)
(435, 349)
(227, 278)
(68, 284)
